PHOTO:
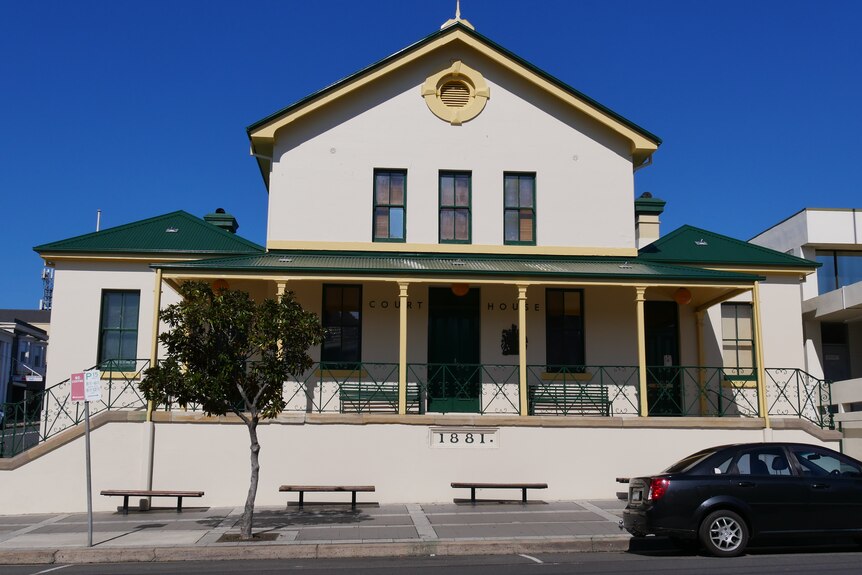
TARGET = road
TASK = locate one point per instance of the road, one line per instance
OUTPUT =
(822, 561)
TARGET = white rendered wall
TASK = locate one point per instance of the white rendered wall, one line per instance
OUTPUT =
(609, 316)
(321, 185)
(577, 463)
(77, 309)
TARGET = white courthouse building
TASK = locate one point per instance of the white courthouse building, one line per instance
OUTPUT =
(499, 304)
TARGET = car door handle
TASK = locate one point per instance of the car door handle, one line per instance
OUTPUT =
(819, 486)
(746, 484)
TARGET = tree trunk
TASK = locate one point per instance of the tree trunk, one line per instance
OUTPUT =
(248, 514)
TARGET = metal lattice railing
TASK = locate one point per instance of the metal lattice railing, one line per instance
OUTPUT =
(46, 413)
(476, 388)
(792, 392)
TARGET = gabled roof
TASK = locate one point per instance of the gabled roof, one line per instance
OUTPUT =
(691, 245)
(262, 133)
(427, 264)
(174, 233)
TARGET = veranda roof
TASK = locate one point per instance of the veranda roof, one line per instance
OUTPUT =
(431, 264)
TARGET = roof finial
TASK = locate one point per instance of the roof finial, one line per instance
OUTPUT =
(457, 19)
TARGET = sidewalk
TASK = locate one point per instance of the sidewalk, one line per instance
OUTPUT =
(319, 530)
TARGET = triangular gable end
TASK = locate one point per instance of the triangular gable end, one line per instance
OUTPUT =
(691, 245)
(174, 233)
(262, 133)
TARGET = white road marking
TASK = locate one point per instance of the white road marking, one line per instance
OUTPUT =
(531, 558)
(51, 569)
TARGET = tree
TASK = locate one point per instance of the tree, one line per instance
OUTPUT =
(229, 354)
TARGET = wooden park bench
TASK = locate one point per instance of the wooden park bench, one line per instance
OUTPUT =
(301, 489)
(126, 493)
(557, 398)
(375, 397)
(522, 486)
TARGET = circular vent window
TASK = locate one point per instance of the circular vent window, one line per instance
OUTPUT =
(456, 94)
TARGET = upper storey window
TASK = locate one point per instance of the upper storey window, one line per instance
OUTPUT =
(455, 199)
(839, 269)
(390, 195)
(519, 209)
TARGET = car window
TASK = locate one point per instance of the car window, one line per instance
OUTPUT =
(689, 462)
(770, 461)
(815, 461)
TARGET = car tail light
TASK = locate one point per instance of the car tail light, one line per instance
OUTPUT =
(658, 486)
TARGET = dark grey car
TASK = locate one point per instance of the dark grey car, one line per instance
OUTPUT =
(723, 496)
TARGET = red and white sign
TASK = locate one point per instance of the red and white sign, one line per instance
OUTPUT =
(77, 381)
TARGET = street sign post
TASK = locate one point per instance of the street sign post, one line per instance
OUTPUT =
(87, 387)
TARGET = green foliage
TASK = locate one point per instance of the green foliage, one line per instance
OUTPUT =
(228, 353)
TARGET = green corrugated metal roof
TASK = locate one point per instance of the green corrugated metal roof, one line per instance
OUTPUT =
(386, 264)
(177, 232)
(692, 245)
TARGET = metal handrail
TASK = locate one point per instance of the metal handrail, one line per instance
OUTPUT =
(46, 413)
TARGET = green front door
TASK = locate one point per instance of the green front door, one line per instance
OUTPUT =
(664, 385)
(454, 383)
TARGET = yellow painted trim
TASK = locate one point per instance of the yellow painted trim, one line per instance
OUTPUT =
(729, 382)
(341, 373)
(522, 348)
(761, 372)
(701, 359)
(124, 375)
(640, 298)
(174, 277)
(452, 248)
(790, 271)
(552, 376)
(154, 347)
(402, 348)
(154, 259)
(641, 146)
(463, 74)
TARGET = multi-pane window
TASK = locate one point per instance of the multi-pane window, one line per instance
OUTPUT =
(737, 339)
(519, 208)
(118, 330)
(342, 320)
(839, 269)
(455, 207)
(390, 193)
(564, 325)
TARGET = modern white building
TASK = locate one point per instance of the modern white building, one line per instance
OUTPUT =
(831, 302)
(831, 298)
(499, 305)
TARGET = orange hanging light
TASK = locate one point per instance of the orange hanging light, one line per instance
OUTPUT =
(682, 296)
(220, 284)
(460, 289)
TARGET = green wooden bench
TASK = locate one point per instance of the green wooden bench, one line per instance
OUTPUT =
(557, 398)
(376, 397)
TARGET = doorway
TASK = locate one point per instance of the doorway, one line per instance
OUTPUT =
(664, 378)
(454, 382)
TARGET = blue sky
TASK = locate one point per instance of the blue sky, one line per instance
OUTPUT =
(140, 108)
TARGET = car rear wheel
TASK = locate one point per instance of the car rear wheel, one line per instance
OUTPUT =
(724, 533)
